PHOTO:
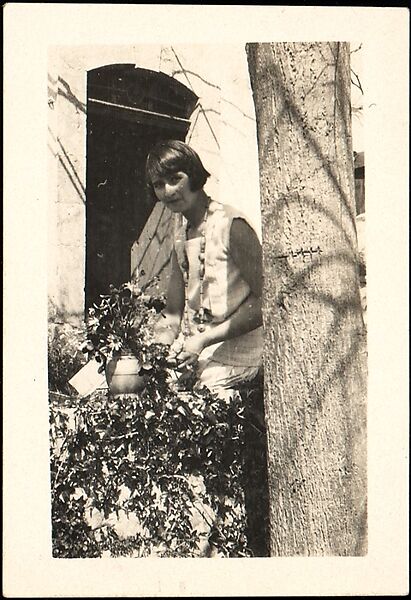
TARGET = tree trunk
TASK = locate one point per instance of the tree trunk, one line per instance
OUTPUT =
(315, 356)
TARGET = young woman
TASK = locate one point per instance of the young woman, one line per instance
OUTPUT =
(213, 314)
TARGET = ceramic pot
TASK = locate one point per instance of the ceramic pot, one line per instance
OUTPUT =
(122, 374)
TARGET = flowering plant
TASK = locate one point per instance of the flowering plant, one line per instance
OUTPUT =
(123, 322)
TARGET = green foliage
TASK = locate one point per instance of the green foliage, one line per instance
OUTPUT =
(135, 475)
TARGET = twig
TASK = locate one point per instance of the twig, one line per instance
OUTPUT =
(357, 49)
(193, 503)
(119, 437)
(61, 462)
(358, 83)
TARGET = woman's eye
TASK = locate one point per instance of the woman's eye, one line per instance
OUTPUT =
(174, 179)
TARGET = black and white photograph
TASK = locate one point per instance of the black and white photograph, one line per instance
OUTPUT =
(206, 314)
(157, 352)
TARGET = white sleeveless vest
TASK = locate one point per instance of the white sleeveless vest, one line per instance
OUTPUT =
(224, 289)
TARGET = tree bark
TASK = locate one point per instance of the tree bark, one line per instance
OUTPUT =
(315, 356)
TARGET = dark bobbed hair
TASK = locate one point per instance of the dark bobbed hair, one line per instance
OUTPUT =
(168, 157)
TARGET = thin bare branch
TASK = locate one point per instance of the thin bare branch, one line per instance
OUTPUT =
(357, 83)
(357, 49)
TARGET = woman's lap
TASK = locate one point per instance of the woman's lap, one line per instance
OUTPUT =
(217, 375)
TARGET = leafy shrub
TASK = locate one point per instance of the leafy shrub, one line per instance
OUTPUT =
(64, 356)
(161, 473)
(155, 474)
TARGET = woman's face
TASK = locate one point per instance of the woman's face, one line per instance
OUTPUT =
(175, 191)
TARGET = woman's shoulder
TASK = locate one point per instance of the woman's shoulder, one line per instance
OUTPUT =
(227, 210)
(229, 213)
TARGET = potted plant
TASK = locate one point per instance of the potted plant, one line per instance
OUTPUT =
(119, 336)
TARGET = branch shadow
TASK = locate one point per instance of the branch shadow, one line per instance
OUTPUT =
(156, 235)
(68, 166)
(238, 108)
(273, 72)
(68, 95)
(199, 105)
(297, 281)
(187, 71)
(317, 389)
(74, 171)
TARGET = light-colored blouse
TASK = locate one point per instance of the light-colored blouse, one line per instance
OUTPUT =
(224, 289)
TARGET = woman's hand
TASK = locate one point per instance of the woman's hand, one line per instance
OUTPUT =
(189, 353)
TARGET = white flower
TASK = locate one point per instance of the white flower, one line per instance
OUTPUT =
(125, 494)
(134, 288)
(92, 321)
(114, 343)
(93, 517)
(79, 493)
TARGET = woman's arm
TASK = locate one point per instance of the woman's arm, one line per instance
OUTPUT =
(245, 249)
(246, 252)
(246, 318)
(168, 324)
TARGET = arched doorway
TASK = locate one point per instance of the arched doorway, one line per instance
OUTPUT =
(128, 110)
